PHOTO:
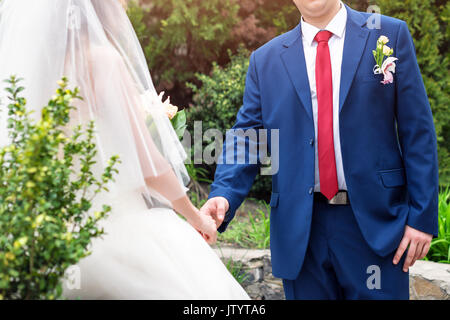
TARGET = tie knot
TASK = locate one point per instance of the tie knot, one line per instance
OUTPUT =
(323, 36)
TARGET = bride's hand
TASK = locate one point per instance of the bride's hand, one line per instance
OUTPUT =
(206, 226)
(203, 223)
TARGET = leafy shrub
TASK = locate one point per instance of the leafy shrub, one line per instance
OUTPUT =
(137, 16)
(428, 23)
(45, 223)
(440, 247)
(217, 102)
(282, 15)
(181, 38)
(220, 96)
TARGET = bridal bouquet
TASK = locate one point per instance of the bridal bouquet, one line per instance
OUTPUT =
(177, 118)
(153, 102)
(46, 189)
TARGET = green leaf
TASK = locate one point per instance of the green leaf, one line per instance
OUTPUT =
(179, 123)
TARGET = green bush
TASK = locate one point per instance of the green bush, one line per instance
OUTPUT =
(440, 246)
(45, 223)
(428, 24)
(282, 15)
(217, 102)
(137, 15)
(182, 37)
(218, 99)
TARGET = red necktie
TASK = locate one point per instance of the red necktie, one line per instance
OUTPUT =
(324, 85)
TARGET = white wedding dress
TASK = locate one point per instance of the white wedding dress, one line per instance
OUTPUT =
(147, 251)
(152, 254)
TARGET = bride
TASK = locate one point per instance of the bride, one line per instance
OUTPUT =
(147, 252)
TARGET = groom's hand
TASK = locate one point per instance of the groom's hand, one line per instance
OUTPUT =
(216, 208)
(418, 243)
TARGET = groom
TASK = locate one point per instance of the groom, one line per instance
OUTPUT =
(354, 203)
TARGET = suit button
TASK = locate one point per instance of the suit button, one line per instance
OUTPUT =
(311, 190)
(311, 142)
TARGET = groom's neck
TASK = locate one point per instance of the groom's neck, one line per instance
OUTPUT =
(323, 18)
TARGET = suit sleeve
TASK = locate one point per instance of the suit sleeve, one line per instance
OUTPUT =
(233, 179)
(417, 137)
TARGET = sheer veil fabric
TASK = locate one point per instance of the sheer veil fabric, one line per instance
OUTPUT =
(92, 42)
(145, 254)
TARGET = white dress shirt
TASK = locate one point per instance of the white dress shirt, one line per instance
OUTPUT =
(336, 45)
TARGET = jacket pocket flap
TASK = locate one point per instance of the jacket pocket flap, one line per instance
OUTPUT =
(274, 200)
(393, 178)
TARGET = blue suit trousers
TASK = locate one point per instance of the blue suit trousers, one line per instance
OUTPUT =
(339, 264)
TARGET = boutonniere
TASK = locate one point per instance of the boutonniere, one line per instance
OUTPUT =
(385, 67)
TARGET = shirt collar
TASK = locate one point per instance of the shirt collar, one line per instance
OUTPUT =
(336, 26)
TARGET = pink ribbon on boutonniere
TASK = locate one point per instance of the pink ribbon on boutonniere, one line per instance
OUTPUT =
(385, 67)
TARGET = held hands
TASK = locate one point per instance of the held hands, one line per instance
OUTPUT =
(419, 244)
(206, 226)
(203, 223)
(417, 241)
(216, 209)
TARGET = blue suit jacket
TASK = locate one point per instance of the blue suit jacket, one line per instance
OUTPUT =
(388, 142)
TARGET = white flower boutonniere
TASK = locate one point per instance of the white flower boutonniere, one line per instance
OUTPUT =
(385, 67)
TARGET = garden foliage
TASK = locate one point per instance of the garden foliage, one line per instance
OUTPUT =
(46, 192)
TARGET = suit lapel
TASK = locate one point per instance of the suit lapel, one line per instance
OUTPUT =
(293, 58)
(355, 43)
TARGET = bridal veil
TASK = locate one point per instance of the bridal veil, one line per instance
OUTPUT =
(93, 44)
